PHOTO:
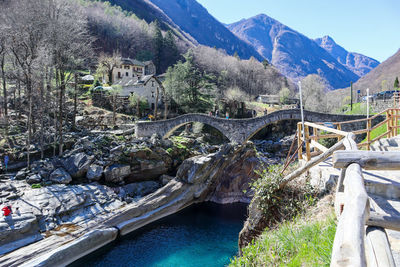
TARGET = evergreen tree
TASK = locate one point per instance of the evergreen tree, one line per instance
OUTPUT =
(236, 55)
(157, 44)
(170, 51)
(265, 63)
(396, 83)
(190, 88)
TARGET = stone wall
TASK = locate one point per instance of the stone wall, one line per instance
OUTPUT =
(240, 130)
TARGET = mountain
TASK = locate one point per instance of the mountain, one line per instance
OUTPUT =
(146, 10)
(382, 77)
(194, 21)
(294, 54)
(357, 63)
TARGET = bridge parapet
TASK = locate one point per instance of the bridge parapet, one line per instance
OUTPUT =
(236, 130)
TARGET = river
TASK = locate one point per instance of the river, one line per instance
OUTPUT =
(202, 235)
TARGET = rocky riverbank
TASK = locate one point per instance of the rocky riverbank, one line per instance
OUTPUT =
(124, 183)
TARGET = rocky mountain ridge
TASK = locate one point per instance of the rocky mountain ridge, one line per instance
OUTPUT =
(357, 63)
(294, 54)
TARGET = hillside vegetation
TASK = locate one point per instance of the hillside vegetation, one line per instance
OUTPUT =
(382, 77)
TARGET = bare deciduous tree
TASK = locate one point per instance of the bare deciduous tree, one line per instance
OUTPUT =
(107, 64)
(314, 90)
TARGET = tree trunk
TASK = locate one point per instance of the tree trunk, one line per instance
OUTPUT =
(165, 107)
(42, 114)
(110, 78)
(75, 100)
(19, 95)
(156, 105)
(55, 114)
(60, 111)
(138, 106)
(3, 76)
(28, 142)
(114, 99)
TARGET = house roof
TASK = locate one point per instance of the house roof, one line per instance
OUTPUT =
(146, 63)
(126, 81)
(144, 79)
(128, 61)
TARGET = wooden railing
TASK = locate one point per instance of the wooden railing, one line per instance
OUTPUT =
(354, 244)
(313, 132)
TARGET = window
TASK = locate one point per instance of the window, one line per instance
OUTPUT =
(152, 94)
(119, 74)
(126, 74)
(152, 83)
(126, 67)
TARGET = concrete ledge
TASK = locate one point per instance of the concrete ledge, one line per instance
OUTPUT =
(76, 249)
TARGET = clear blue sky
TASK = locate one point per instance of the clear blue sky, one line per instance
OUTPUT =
(369, 27)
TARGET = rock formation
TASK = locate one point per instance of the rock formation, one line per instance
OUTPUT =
(47, 207)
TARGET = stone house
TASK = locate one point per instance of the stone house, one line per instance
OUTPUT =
(132, 68)
(146, 87)
(138, 77)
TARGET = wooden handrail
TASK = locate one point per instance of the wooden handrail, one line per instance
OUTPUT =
(324, 128)
(352, 199)
(392, 115)
(348, 246)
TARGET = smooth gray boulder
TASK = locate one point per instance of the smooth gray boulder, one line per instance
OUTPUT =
(34, 179)
(77, 165)
(95, 172)
(21, 174)
(165, 179)
(60, 176)
(76, 249)
(116, 173)
(17, 230)
(139, 189)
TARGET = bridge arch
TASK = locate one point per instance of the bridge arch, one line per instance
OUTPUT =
(179, 125)
(236, 130)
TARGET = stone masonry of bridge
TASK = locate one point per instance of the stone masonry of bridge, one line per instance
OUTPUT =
(239, 130)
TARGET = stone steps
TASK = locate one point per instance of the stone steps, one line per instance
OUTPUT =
(386, 144)
(383, 188)
(390, 207)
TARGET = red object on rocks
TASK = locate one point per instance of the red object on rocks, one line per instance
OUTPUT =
(6, 210)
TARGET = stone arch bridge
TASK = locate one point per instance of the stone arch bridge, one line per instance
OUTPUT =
(236, 130)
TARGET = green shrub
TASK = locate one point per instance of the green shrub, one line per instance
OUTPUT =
(276, 203)
(36, 186)
(296, 243)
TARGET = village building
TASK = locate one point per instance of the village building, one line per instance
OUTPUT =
(136, 77)
(131, 68)
(146, 87)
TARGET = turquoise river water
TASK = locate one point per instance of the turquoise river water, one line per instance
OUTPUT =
(203, 235)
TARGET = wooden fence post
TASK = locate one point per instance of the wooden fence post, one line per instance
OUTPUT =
(339, 127)
(307, 141)
(369, 122)
(388, 124)
(299, 141)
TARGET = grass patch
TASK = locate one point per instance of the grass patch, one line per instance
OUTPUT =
(358, 109)
(295, 243)
(36, 186)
